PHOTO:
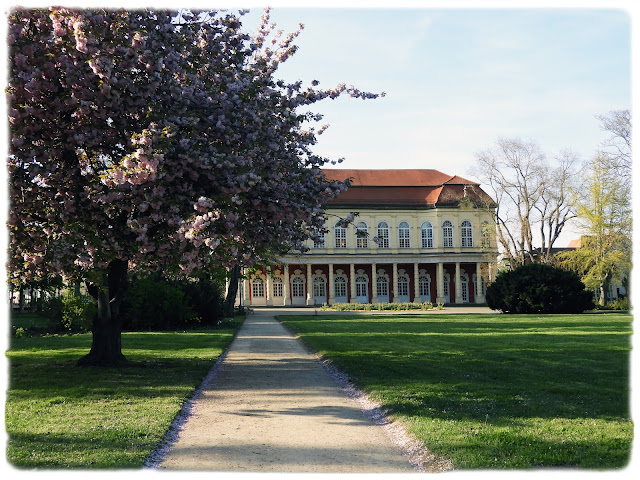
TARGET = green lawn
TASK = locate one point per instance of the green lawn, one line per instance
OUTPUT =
(493, 391)
(62, 416)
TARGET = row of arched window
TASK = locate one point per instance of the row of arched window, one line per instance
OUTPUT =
(382, 235)
(361, 283)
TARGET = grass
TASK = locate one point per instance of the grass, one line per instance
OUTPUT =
(62, 416)
(491, 391)
(30, 322)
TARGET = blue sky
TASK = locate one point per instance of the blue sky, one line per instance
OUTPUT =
(457, 79)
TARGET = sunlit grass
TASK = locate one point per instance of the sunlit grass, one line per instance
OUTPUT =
(62, 416)
(493, 391)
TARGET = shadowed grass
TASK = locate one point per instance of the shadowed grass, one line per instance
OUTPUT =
(493, 391)
(62, 416)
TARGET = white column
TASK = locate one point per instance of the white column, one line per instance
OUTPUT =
(247, 288)
(309, 286)
(458, 284)
(332, 289)
(395, 283)
(269, 287)
(240, 295)
(352, 283)
(479, 296)
(440, 284)
(416, 283)
(374, 284)
(286, 286)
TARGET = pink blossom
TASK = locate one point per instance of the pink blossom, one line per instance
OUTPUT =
(201, 158)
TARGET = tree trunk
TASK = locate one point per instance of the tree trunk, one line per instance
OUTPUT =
(232, 291)
(106, 349)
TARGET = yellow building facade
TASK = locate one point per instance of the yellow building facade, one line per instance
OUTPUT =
(418, 236)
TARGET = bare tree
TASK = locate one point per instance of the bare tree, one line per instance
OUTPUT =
(617, 148)
(532, 195)
(555, 207)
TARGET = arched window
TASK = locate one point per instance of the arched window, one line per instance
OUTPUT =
(340, 286)
(404, 235)
(383, 235)
(445, 287)
(424, 283)
(466, 234)
(362, 235)
(319, 287)
(464, 287)
(318, 238)
(403, 286)
(447, 234)
(427, 235)
(382, 286)
(277, 287)
(361, 286)
(297, 287)
(340, 234)
(257, 287)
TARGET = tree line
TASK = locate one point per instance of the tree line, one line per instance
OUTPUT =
(539, 196)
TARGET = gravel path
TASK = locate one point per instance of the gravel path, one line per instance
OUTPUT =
(270, 406)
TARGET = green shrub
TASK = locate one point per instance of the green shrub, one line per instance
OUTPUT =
(538, 288)
(205, 297)
(154, 304)
(618, 304)
(621, 304)
(70, 313)
(77, 313)
(344, 307)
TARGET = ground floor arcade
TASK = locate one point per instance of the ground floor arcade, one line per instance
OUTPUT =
(395, 282)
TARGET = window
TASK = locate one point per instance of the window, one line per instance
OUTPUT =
(362, 235)
(277, 287)
(297, 287)
(382, 286)
(447, 234)
(340, 234)
(257, 287)
(319, 287)
(464, 287)
(340, 286)
(427, 235)
(424, 283)
(318, 241)
(404, 237)
(383, 235)
(403, 286)
(361, 286)
(466, 234)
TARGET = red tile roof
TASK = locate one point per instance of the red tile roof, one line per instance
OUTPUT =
(417, 187)
(395, 178)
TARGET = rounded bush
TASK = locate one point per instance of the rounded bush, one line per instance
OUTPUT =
(538, 288)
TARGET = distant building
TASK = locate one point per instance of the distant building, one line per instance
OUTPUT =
(420, 236)
(614, 290)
